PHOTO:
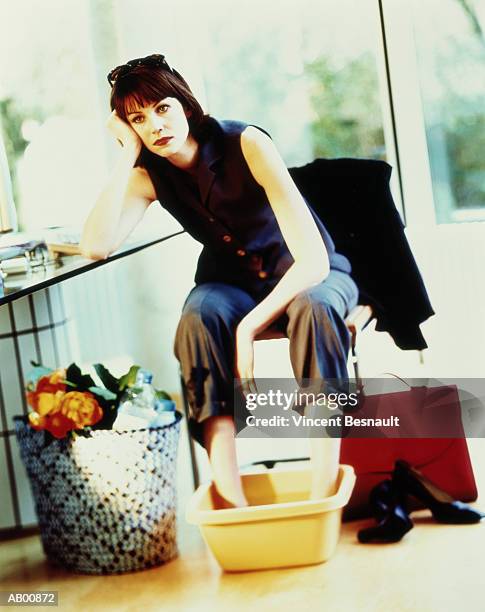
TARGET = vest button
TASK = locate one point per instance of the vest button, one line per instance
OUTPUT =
(227, 238)
(241, 252)
(211, 219)
(262, 274)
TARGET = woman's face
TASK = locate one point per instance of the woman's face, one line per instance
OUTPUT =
(162, 127)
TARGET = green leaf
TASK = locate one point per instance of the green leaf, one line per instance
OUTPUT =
(162, 395)
(104, 393)
(109, 416)
(75, 376)
(73, 372)
(129, 379)
(81, 433)
(109, 381)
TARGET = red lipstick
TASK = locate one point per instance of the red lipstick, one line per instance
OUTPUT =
(162, 141)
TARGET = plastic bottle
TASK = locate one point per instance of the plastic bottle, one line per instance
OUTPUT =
(137, 405)
(165, 410)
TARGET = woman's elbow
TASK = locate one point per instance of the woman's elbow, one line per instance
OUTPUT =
(90, 253)
(93, 249)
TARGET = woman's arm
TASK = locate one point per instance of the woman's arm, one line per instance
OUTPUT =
(123, 201)
(304, 241)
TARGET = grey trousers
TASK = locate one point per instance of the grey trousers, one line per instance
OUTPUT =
(205, 340)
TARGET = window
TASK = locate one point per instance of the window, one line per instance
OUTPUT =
(48, 109)
(450, 47)
(306, 72)
(264, 63)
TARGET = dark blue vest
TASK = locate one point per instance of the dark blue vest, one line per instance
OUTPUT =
(222, 206)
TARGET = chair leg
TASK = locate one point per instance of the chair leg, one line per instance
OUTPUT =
(193, 456)
(355, 360)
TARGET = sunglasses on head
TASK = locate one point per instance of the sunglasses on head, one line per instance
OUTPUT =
(152, 61)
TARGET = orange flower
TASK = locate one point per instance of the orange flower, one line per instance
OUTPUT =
(82, 408)
(47, 403)
(59, 424)
(32, 399)
(36, 421)
(52, 383)
(44, 399)
(58, 377)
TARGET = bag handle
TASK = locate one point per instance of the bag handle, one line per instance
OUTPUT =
(399, 378)
(361, 387)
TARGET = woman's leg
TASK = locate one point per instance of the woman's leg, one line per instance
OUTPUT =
(219, 441)
(205, 348)
(319, 346)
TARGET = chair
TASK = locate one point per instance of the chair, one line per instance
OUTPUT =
(356, 321)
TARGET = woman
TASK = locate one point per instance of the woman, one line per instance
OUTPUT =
(266, 259)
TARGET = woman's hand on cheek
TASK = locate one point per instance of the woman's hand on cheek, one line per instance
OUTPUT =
(245, 360)
(123, 132)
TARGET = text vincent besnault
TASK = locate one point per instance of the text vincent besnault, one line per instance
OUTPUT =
(336, 421)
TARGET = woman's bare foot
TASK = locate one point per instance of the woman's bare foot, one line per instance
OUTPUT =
(325, 456)
(219, 441)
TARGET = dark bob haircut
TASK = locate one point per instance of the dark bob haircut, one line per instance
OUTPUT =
(145, 85)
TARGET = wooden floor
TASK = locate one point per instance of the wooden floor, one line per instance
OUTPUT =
(434, 568)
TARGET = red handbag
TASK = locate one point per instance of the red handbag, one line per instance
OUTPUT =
(444, 460)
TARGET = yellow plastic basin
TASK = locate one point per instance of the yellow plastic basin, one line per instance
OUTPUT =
(280, 528)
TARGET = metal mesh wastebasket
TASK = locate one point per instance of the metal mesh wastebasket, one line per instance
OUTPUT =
(105, 503)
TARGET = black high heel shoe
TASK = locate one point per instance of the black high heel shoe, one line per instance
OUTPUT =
(389, 508)
(443, 507)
